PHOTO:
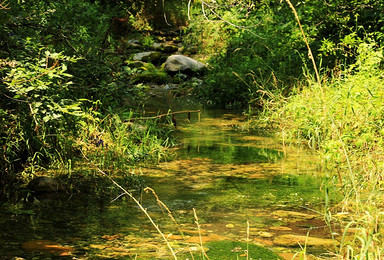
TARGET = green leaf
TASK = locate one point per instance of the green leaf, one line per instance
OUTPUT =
(46, 118)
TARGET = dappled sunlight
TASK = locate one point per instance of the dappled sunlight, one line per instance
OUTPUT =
(274, 192)
(227, 175)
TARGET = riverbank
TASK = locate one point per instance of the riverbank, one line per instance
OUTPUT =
(342, 120)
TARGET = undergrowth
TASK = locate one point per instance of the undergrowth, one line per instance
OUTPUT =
(343, 119)
(115, 144)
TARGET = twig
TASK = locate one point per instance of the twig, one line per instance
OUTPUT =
(199, 230)
(306, 42)
(14, 99)
(142, 209)
(189, 10)
(4, 5)
(165, 15)
(121, 195)
(168, 114)
(247, 239)
(162, 205)
(246, 28)
(34, 117)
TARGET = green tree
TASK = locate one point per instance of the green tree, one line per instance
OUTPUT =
(255, 46)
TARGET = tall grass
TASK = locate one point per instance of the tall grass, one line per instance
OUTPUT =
(116, 145)
(343, 117)
(349, 138)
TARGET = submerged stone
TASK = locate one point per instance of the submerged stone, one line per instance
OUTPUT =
(46, 246)
(174, 237)
(280, 228)
(44, 184)
(264, 234)
(212, 237)
(293, 215)
(291, 240)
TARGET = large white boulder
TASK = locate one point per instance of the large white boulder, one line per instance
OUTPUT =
(183, 64)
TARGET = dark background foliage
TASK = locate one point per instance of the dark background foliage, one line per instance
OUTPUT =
(270, 52)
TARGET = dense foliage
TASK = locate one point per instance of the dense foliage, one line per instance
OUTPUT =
(255, 46)
(62, 71)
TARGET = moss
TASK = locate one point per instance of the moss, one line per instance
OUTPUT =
(157, 78)
(227, 249)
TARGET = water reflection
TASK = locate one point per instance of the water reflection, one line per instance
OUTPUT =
(231, 154)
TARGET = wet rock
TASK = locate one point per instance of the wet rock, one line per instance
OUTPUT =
(280, 228)
(171, 86)
(264, 234)
(179, 78)
(296, 256)
(133, 44)
(44, 184)
(291, 240)
(262, 241)
(204, 239)
(46, 246)
(292, 215)
(183, 64)
(156, 46)
(147, 56)
(174, 237)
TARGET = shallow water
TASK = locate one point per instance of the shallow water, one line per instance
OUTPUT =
(228, 176)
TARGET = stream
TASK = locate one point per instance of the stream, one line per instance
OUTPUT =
(227, 190)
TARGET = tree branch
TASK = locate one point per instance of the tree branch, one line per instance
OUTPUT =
(167, 114)
(4, 5)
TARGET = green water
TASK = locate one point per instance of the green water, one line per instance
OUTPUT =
(228, 176)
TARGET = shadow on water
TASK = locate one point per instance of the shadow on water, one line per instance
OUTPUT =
(231, 154)
(227, 175)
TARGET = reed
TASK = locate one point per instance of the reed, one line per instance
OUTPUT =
(203, 253)
(310, 54)
(247, 253)
(162, 205)
(340, 115)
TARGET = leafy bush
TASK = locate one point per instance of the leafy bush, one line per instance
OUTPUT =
(61, 69)
(38, 113)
